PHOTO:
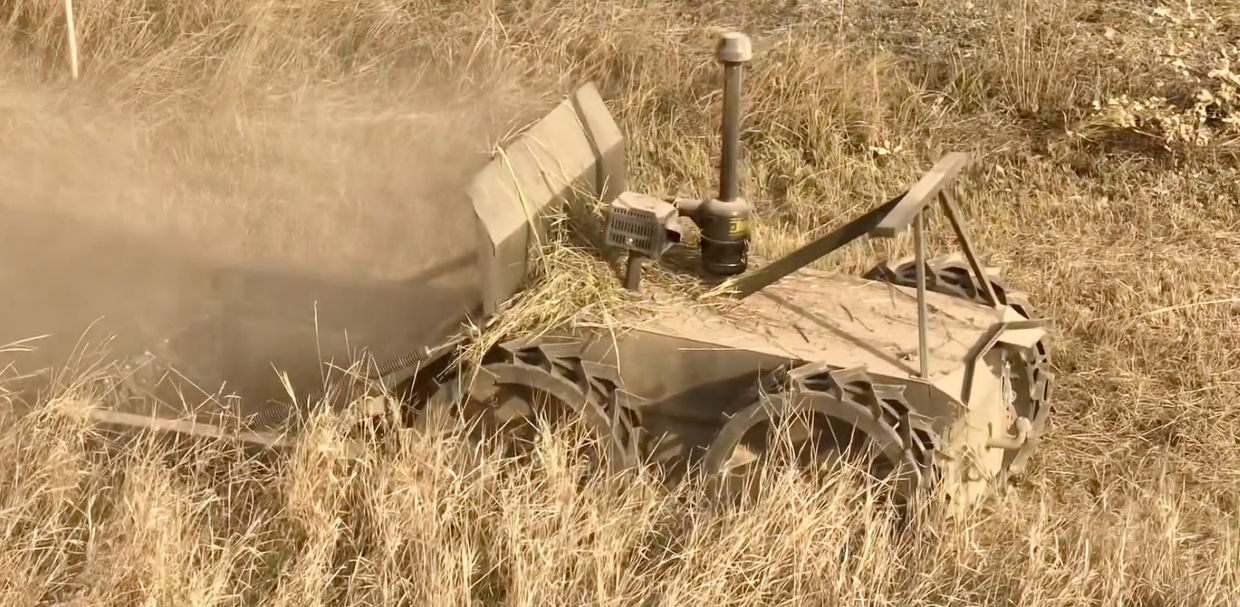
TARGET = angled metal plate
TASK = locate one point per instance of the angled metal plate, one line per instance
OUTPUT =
(575, 152)
(1019, 331)
(1024, 338)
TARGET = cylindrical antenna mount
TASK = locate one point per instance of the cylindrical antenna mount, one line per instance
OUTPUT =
(733, 51)
(725, 220)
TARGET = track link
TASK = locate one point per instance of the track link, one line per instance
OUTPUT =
(499, 393)
(851, 402)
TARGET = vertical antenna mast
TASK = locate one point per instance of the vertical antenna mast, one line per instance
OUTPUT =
(725, 220)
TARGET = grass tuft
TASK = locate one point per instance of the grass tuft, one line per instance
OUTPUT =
(1105, 184)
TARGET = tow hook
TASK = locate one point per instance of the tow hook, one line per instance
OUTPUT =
(1012, 443)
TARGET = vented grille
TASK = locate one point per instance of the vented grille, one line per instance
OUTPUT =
(636, 230)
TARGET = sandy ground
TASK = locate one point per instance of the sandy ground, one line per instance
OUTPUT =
(328, 216)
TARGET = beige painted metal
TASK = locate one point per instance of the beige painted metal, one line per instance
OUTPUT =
(838, 319)
(576, 151)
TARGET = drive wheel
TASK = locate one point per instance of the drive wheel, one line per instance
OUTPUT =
(1027, 372)
(846, 421)
(1027, 380)
(517, 398)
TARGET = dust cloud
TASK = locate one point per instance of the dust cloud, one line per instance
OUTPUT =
(322, 216)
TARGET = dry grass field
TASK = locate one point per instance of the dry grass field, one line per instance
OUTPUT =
(1105, 136)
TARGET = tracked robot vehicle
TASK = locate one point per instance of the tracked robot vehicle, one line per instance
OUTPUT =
(933, 364)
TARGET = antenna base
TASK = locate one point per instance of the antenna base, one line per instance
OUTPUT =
(725, 236)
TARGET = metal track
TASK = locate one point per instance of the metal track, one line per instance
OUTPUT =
(589, 389)
(878, 411)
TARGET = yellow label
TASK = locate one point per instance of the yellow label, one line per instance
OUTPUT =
(738, 226)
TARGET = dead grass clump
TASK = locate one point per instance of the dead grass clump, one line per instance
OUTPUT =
(1196, 108)
(575, 283)
(432, 520)
(1131, 248)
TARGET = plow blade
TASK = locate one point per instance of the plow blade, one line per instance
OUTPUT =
(575, 152)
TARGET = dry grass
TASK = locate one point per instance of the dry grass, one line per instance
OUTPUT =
(1106, 184)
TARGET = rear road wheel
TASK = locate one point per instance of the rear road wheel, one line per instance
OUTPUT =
(815, 430)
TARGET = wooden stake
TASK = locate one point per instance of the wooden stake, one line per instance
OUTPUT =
(73, 54)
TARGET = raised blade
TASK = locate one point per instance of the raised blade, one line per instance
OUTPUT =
(575, 152)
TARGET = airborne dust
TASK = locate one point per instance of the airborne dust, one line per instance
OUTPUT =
(329, 208)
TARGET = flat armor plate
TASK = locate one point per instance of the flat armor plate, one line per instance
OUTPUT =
(838, 319)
